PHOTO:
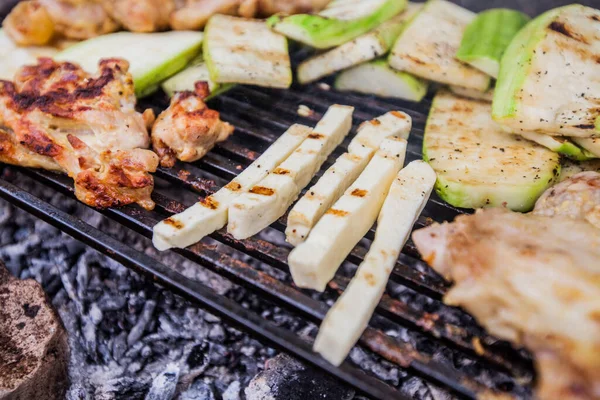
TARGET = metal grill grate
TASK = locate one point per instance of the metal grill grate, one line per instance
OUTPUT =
(260, 115)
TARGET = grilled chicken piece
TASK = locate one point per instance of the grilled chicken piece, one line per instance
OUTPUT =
(36, 22)
(270, 7)
(86, 125)
(577, 197)
(195, 13)
(532, 280)
(141, 15)
(188, 129)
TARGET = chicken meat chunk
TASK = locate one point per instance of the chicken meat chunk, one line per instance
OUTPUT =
(57, 116)
(270, 7)
(188, 129)
(577, 197)
(141, 15)
(532, 280)
(195, 13)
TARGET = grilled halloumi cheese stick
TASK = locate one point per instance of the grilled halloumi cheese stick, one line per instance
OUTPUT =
(349, 316)
(271, 197)
(343, 173)
(209, 215)
(314, 262)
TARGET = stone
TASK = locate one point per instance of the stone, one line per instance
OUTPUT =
(285, 378)
(34, 349)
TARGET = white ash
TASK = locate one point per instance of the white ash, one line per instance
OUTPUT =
(125, 330)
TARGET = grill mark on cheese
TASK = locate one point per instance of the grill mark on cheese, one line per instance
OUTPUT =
(233, 186)
(359, 193)
(174, 223)
(281, 171)
(337, 213)
(398, 114)
(209, 202)
(317, 136)
(375, 122)
(370, 278)
(263, 191)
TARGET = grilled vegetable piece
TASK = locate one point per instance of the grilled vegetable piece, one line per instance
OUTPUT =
(314, 262)
(378, 78)
(197, 71)
(238, 50)
(350, 315)
(152, 57)
(487, 37)
(340, 22)
(428, 45)
(477, 163)
(572, 167)
(13, 57)
(591, 145)
(559, 145)
(488, 95)
(211, 214)
(364, 48)
(334, 182)
(550, 76)
(270, 198)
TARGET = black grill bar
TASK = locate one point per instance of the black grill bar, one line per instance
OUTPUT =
(217, 304)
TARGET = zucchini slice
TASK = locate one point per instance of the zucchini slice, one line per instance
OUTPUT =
(477, 163)
(378, 78)
(550, 76)
(487, 37)
(364, 48)
(591, 145)
(560, 145)
(197, 71)
(205, 217)
(13, 57)
(239, 50)
(427, 47)
(152, 57)
(488, 95)
(572, 167)
(350, 315)
(314, 262)
(340, 22)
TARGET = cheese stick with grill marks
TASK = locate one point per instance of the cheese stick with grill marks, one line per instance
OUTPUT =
(349, 316)
(209, 215)
(331, 186)
(270, 198)
(314, 262)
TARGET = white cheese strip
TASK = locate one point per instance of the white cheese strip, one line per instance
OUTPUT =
(270, 198)
(349, 316)
(314, 262)
(205, 217)
(331, 186)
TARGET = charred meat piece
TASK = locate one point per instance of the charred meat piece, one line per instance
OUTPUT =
(270, 7)
(576, 197)
(195, 13)
(532, 280)
(188, 129)
(84, 125)
(37, 22)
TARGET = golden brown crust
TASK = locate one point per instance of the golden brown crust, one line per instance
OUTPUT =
(85, 124)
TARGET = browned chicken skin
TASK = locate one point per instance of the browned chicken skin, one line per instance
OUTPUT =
(37, 22)
(188, 129)
(530, 279)
(85, 125)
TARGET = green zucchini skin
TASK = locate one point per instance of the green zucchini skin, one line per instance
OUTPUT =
(323, 32)
(477, 163)
(487, 37)
(549, 78)
(196, 71)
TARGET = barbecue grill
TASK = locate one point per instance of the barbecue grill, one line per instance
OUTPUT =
(260, 116)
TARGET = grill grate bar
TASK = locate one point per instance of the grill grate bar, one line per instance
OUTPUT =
(239, 272)
(217, 304)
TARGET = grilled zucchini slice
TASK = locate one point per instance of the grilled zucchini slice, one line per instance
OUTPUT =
(428, 45)
(487, 37)
(238, 50)
(197, 71)
(340, 22)
(559, 145)
(477, 163)
(378, 78)
(591, 145)
(550, 76)
(152, 57)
